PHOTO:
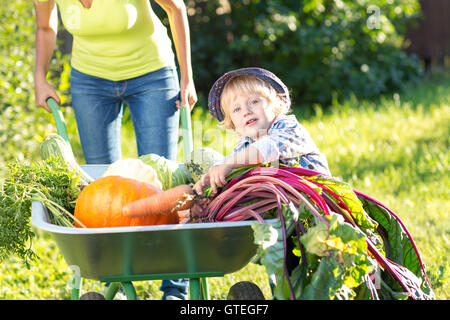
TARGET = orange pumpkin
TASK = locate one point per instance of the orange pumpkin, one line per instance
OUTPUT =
(100, 204)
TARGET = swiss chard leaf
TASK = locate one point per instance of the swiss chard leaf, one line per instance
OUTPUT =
(342, 253)
(269, 237)
(336, 256)
(398, 246)
(271, 252)
(345, 193)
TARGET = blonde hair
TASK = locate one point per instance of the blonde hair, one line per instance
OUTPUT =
(247, 85)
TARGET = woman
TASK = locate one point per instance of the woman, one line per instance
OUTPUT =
(121, 54)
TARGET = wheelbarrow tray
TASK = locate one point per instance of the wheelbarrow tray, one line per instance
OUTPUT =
(151, 252)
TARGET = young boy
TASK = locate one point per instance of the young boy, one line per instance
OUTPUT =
(254, 102)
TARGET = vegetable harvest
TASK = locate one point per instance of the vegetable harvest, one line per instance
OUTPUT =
(347, 245)
(340, 236)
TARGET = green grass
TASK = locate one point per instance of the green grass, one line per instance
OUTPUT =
(394, 149)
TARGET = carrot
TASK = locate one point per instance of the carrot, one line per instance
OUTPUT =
(175, 199)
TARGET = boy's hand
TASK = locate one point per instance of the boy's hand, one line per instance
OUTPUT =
(214, 178)
(200, 184)
(217, 176)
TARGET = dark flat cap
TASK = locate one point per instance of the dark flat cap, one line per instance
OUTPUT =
(217, 88)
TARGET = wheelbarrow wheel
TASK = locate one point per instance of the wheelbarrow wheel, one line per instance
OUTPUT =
(245, 290)
(92, 296)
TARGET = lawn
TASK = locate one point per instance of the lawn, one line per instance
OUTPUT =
(394, 148)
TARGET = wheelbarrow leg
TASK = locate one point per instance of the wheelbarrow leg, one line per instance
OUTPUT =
(204, 287)
(114, 287)
(76, 287)
(75, 294)
(194, 289)
(111, 291)
(198, 289)
(130, 292)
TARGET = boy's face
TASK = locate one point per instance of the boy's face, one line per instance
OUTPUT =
(251, 114)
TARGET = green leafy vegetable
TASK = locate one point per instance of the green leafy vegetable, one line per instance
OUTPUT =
(344, 196)
(399, 246)
(49, 181)
(200, 160)
(342, 251)
(55, 146)
(170, 174)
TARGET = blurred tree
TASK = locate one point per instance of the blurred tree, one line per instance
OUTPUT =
(322, 49)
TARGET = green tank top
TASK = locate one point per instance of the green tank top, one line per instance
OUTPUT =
(116, 39)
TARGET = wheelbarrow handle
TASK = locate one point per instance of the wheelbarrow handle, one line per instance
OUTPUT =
(186, 128)
(59, 119)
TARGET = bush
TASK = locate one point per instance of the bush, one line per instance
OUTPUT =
(321, 49)
(23, 126)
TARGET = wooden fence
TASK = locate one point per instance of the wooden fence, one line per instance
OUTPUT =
(430, 38)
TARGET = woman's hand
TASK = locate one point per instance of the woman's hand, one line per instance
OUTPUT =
(179, 27)
(43, 91)
(188, 95)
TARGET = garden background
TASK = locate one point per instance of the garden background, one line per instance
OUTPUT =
(380, 119)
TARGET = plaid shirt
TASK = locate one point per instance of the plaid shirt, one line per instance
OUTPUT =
(290, 143)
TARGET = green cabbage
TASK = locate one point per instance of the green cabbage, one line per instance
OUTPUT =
(169, 172)
(200, 160)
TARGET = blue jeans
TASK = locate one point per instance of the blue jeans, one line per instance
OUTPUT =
(98, 106)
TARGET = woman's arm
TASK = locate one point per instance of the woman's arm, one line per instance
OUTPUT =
(47, 25)
(179, 26)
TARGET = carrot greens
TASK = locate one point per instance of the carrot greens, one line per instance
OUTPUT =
(50, 182)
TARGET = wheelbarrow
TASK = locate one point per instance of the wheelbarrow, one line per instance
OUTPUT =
(121, 255)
